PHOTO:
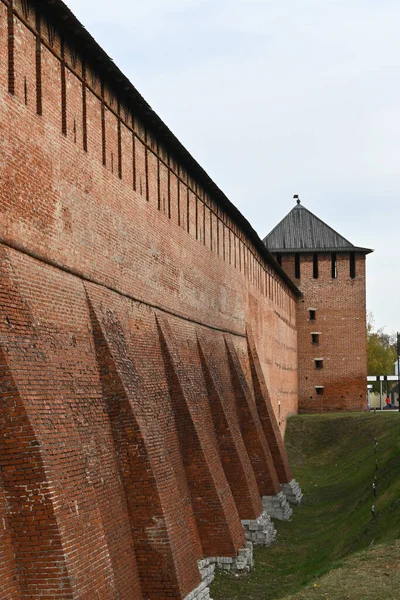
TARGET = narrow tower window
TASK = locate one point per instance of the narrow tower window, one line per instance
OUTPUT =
(279, 258)
(352, 265)
(312, 312)
(334, 265)
(315, 265)
(297, 266)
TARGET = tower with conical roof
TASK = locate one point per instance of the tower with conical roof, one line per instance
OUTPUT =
(331, 316)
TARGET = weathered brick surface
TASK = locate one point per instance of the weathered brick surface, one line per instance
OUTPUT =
(120, 450)
(217, 517)
(252, 432)
(76, 438)
(115, 479)
(9, 588)
(233, 452)
(160, 534)
(267, 415)
(27, 454)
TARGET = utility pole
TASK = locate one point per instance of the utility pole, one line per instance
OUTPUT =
(398, 368)
(387, 390)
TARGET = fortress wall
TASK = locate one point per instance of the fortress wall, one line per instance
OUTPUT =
(125, 288)
(87, 186)
(138, 479)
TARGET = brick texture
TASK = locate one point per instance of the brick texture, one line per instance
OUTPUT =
(233, 452)
(267, 416)
(252, 432)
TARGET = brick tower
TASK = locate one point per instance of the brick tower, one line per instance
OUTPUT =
(331, 315)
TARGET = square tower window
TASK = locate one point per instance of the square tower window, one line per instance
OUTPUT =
(315, 338)
(312, 313)
(319, 363)
(319, 390)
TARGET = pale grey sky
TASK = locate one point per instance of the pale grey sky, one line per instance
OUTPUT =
(275, 98)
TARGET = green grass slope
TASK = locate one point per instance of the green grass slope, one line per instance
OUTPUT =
(333, 459)
(369, 575)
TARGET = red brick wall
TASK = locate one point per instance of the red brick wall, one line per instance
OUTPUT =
(102, 230)
(340, 320)
(63, 205)
(135, 485)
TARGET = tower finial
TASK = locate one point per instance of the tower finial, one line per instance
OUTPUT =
(296, 197)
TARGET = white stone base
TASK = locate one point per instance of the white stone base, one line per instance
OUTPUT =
(202, 592)
(277, 507)
(260, 531)
(207, 569)
(242, 563)
(292, 491)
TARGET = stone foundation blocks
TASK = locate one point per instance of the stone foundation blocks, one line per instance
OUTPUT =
(242, 563)
(292, 491)
(202, 592)
(261, 531)
(277, 507)
(207, 569)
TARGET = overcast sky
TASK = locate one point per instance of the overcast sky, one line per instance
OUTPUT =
(275, 98)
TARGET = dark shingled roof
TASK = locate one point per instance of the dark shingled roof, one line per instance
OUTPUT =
(302, 231)
(105, 66)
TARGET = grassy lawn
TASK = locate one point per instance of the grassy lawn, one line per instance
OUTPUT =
(333, 459)
(369, 575)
